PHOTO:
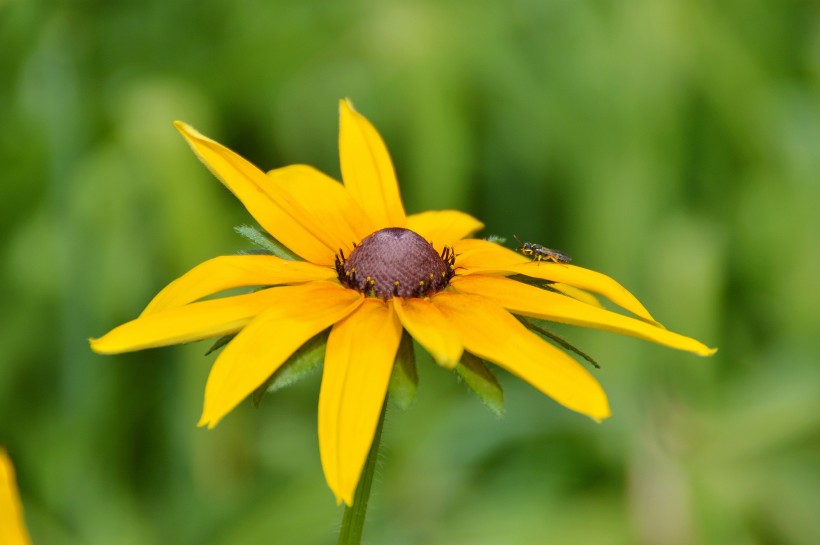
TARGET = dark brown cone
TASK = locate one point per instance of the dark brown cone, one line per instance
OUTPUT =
(395, 262)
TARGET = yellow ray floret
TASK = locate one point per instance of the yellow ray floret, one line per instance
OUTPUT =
(367, 169)
(234, 271)
(492, 333)
(443, 227)
(277, 212)
(299, 313)
(326, 199)
(12, 525)
(527, 300)
(358, 363)
(576, 293)
(475, 255)
(431, 329)
(483, 257)
(187, 323)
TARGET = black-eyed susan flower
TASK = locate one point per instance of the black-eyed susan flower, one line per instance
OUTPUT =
(367, 271)
(12, 526)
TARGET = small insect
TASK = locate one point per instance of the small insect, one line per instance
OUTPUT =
(542, 253)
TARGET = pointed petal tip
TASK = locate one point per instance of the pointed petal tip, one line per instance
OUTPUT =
(346, 104)
(189, 132)
(699, 349)
(449, 357)
(185, 128)
(346, 499)
(367, 169)
(98, 346)
(209, 420)
(600, 413)
(448, 364)
(448, 361)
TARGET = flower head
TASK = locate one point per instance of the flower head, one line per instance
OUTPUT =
(367, 272)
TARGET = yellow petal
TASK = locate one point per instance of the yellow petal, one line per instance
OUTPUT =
(234, 271)
(271, 205)
(443, 227)
(367, 170)
(359, 360)
(430, 328)
(589, 280)
(326, 199)
(521, 298)
(576, 293)
(492, 333)
(299, 313)
(192, 322)
(12, 524)
(483, 257)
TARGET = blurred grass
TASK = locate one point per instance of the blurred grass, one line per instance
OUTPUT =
(673, 145)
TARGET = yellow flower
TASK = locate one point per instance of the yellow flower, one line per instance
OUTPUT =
(369, 271)
(12, 526)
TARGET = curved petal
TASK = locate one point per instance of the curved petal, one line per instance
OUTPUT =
(367, 170)
(576, 293)
(521, 298)
(359, 360)
(192, 322)
(443, 227)
(480, 256)
(588, 280)
(299, 313)
(12, 524)
(490, 332)
(271, 205)
(327, 199)
(234, 271)
(430, 328)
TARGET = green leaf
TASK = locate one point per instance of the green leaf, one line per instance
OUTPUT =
(308, 358)
(265, 242)
(558, 340)
(477, 376)
(404, 381)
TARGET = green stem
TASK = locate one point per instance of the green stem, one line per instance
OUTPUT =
(353, 518)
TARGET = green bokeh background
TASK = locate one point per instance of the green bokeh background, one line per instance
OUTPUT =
(673, 144)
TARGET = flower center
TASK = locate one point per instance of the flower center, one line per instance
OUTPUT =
(395, 262)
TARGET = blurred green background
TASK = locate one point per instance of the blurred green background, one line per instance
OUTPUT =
(673, 144)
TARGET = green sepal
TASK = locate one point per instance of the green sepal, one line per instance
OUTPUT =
(565, 344)
(220, 342)
(475, 373)
(307, 359)
(404, 382)
(265, 242)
